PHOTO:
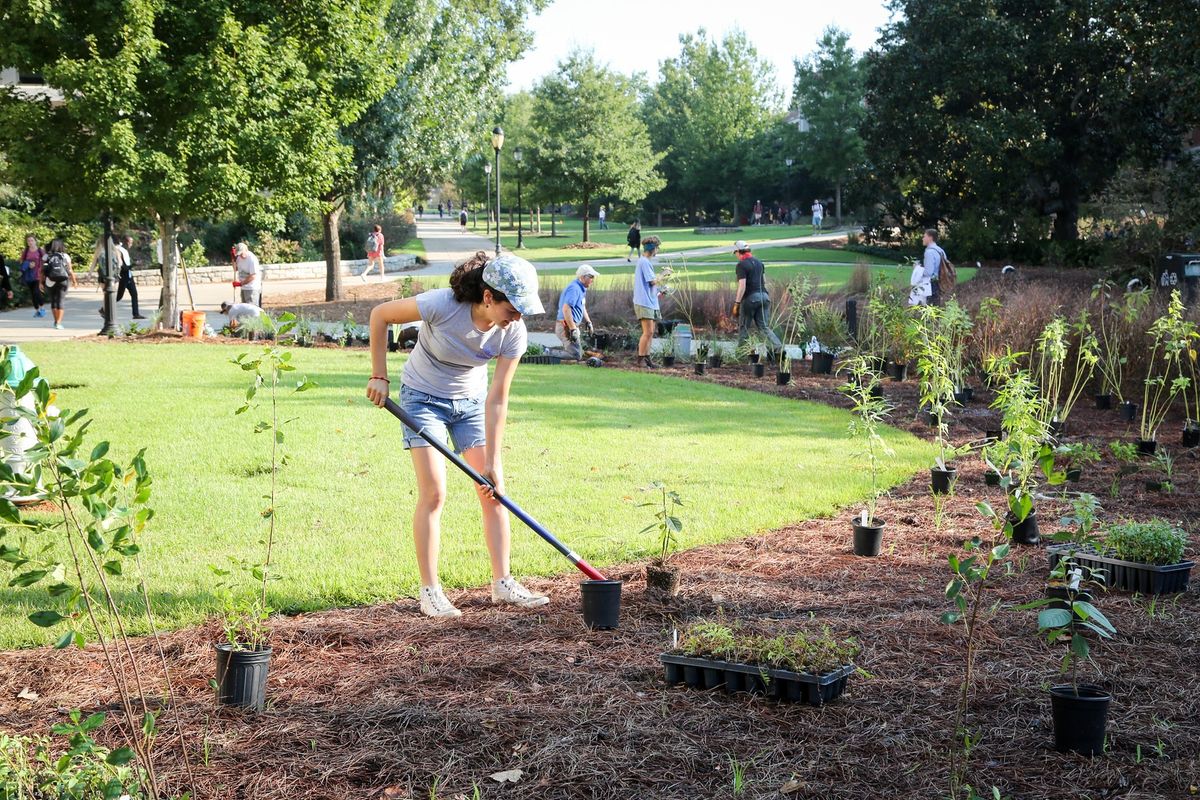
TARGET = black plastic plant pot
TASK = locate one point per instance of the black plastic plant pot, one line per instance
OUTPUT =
(754, 358)
(1057, 429)
(601, 604)
(1080, 718)
(868, 539)
(993, 436)
(1191, 435)
(1074, 474)
(897, 372)
(1128, 411)
(1103, 402)
(1130, 576)
(964, 395)
(668, 361)
(760, 370)
(778, 684)
(1147, 447)
(822, 363)
(603, 340)
(942, 480)
(242, 676)
(991, 478)
(714, 361)
(783, 378)
(699, 367)
(1026, 531)
(928, 417)
(1154, 486)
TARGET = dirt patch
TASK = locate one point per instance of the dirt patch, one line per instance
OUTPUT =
(360, 298)
(584, 246)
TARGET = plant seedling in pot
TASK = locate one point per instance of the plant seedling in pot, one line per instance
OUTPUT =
(937, 392)
(660, 576)
(1164, 470)
(1075, 457)
(1060, 391)
(1128, 463)
(870, 410)
(1170, 336)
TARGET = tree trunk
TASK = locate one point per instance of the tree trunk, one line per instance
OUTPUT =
(539, 219)
(586, 199)
(736, 217)
(839, 202)
(553, 221)
(333, 247)
(512, 226)
(169, 304)
(1066, 221)
(659, 216)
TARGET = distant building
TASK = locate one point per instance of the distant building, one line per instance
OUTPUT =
(28, 86)
(794, 117)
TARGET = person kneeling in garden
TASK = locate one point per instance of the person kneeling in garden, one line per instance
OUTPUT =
(445, 387)
(572, 312)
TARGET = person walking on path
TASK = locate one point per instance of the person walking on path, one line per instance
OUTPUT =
(757, 213)
(247, 271)
(752, 302)
(603, 215)
(444, 387)
(125, 279)
(462, 219)
(421, 212)
(6, 290)
(440, 214)
(818, 215)
(55, 275)
(634, 240)
(32, 258)
(572, 312)
(645, 298)
(375, 245)
(938, 269)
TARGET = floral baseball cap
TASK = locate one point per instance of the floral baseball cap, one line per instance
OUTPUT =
(517, 279)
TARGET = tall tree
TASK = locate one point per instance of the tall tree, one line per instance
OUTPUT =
(1034, 116)
(829, 93)
(446, 65)
(174, 109)
(590, 134)
(708, 105)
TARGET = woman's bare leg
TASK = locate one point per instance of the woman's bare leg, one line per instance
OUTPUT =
(496, 531)
(430, 468)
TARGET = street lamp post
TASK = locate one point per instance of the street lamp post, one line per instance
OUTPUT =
(497, 144)
(487, 170)
(517, 159)
(788, 188)
(110, 281)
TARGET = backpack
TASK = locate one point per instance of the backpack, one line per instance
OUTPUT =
(947, 275)
(56, 267)
(372, 242)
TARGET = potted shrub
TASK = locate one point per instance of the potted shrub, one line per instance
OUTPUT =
(801, 667)
(1189, 368)
(715, 357)
(243, 659)
(956, 323)
(1145, 557)
(701, 357)
(828, 327)
(1169, 336)
(1076, 456)
(783, 374)
(1116, 323)
(665, 351)
(660, 576)
(1163, 468)
(1078, 534)
(1080, 711)
(1059, 390)
(1128, 463)
(870, 412)
(936, 393)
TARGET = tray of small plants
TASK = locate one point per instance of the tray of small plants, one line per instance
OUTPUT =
(1146, 557)
(799, 667)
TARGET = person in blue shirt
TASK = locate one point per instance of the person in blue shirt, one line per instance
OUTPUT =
(646, 292)
(572, 312)
(934, 256)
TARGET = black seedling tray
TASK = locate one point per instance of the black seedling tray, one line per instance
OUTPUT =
(780, 684)
(1130, 576)
(541, 360)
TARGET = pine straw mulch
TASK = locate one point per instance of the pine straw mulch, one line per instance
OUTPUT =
(379, 702)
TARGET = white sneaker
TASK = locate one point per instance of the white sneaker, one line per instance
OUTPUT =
(434, 603)
(364, 277)
(509, 591)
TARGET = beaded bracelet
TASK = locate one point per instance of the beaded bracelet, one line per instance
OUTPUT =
(377, 378)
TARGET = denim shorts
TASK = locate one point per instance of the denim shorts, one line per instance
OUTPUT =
(457, 421)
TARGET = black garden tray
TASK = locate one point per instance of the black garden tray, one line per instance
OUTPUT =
(780, 684)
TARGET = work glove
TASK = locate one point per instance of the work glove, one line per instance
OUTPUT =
(574, 335)
(591, 330)
(737, 307)
(237, 284)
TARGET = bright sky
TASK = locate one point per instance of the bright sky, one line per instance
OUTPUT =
(635, 35)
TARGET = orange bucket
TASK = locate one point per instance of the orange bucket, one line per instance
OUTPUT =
(193, 324)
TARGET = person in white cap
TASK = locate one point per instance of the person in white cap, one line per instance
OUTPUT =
(572, 312)
(444, 386)
(752, 302)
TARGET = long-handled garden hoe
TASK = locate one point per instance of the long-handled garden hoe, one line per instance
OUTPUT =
(534, 525)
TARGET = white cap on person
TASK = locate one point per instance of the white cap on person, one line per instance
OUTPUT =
(585, 270)
(740, 246)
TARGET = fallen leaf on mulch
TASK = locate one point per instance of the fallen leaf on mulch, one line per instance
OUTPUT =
(395, 793)
(791, 787)
(28, 694)
(508, 776)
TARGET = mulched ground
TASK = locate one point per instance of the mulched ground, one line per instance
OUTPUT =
(379, 702)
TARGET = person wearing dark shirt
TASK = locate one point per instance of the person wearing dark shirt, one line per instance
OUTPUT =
(634, 240)
(752, 303)
(6, 291)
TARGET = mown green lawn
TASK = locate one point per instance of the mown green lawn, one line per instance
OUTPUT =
(543, 247)
(770, 254)
(580, 444)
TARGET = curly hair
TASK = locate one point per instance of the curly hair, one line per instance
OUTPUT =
(467, 280)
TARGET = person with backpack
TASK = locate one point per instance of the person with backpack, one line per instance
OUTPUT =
(374, 252)
(634, 240)
(446, 389)
(125, 280)
(32, 259)
(940, 273)
(55, 275)
(462, 219)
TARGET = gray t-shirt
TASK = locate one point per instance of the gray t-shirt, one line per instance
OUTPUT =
(450, 359)
(240, 312)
